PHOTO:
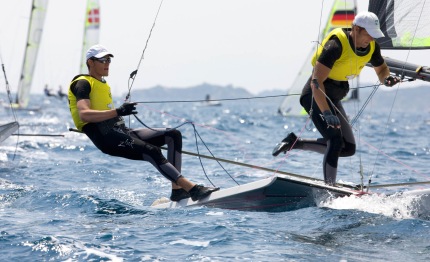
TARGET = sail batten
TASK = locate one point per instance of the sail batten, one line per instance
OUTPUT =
(34, 36)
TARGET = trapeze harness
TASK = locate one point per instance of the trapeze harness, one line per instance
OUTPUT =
(114, 138)
(345, 63)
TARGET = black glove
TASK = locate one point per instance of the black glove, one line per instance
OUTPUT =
(126, 109)
(391, 80)
(331, 119)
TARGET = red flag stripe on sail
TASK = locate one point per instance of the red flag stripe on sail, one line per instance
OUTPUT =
(344, 18)
(93, 16)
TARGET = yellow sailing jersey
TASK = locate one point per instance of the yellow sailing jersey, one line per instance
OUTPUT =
(349, 65)
(100, 98)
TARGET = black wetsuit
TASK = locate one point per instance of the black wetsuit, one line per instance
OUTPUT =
(335, 142)
(114, 138)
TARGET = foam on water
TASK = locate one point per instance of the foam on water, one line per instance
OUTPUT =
(398, 206)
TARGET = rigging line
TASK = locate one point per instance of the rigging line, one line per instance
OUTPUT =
(196, 133)
(52, 135)
(244, 164)
(8, 89)
(360, 112)
(384, 135)
(134, 73)
(273, 170)
(222, 99)
(197, 147)
(258, 167)
(400, 184)
(10, 104)
(229, 99)
(392, 104)
(238, 142)
(200, 159)
(395, 97)
(392, 158)
(413, 37)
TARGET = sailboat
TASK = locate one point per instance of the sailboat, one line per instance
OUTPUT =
(404, 29)
(341, 16)
(34, 36)
(91, 31)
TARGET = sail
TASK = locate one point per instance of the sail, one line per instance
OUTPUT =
(405, 23)
(7, 129)
(34, 36)
(342, 14)
(91, 31)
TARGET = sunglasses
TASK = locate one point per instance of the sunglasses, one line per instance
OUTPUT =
(104, 60)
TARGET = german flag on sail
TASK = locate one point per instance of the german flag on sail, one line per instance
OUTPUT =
(342, 18)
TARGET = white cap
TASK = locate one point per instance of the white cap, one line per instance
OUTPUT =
(98, 51)
(370, 22)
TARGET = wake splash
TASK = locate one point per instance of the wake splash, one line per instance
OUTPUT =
(398, 206)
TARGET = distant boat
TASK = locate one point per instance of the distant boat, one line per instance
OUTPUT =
(34, 36)
(209, 102)
(91, 31)
(341, 16)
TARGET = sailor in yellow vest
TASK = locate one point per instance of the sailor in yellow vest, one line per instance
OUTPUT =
(341, 57)
(94, 113)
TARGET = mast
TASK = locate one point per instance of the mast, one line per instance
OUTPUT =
(34, 36)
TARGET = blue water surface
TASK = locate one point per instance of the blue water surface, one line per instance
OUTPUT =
(61, 199)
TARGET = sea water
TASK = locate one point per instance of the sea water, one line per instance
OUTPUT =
(61, 199)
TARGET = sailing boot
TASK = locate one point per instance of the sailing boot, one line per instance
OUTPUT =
(179, 194)
(285, 145)
(199, 192)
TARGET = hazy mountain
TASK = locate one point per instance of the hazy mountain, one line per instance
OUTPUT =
(198, 92)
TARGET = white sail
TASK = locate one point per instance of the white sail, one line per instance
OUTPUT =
(404, 23)
(341, 15)
(91, 31)
(34, 36)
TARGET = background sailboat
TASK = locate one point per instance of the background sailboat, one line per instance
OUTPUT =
(342, 14)
(34, 36)
(91, 31)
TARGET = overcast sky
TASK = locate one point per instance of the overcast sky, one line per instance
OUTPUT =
(255, 44)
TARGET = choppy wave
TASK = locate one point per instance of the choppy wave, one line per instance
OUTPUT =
(63, 200)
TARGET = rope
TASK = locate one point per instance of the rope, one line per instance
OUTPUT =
(134, 73)
(227, 99)
(8, 89)
(196, 134)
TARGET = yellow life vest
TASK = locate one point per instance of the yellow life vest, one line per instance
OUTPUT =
(100, 99)
(349, 65)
